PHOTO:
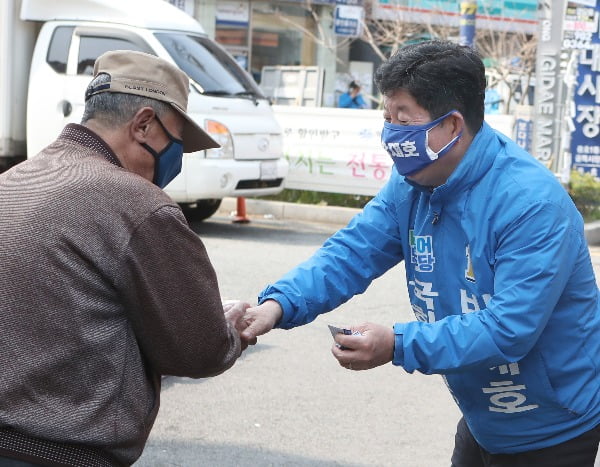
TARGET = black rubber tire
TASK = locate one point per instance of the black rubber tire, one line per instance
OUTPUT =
(203, 210)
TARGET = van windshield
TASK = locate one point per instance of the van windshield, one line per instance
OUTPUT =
(209, 66)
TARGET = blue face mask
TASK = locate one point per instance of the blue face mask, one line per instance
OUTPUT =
(167, 163)
(408, 145)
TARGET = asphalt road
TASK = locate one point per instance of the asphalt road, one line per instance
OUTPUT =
(286, 401)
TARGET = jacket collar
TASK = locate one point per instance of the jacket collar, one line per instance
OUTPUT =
(84, 136)
(476, 162)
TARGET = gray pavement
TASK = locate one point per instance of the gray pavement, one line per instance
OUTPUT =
(287, 402)
(331, 214)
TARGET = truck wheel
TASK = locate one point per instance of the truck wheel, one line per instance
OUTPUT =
(204, 208)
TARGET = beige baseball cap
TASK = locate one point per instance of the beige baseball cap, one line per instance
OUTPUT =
(149, 76)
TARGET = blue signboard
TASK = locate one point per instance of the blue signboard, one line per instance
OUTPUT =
(347, 20)
(585, 139)
(523, 132)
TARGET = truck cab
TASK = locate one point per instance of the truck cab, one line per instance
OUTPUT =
(223, 99)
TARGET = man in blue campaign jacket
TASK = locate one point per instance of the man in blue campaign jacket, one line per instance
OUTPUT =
(497, 268)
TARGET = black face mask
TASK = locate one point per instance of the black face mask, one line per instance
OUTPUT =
(167, 163)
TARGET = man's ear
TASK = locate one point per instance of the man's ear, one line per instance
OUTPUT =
(458, 123)
(140, 124)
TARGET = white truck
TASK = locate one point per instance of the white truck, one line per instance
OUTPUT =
(47, 54)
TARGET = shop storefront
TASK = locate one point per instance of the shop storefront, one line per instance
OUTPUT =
(263, 33)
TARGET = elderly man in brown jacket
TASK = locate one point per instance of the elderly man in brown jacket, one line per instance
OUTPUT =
(104, 286)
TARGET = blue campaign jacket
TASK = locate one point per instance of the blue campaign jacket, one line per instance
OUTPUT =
(500, 280)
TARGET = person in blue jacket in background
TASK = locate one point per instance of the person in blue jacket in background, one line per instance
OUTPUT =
(498, 272)
(352, 99)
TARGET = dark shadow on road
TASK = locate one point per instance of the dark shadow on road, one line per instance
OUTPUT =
(265, 231)
(169, 381)
(196, 453)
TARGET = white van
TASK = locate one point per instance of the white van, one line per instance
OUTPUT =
(70, 34)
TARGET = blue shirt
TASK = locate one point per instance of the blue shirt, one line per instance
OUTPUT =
(348, 102)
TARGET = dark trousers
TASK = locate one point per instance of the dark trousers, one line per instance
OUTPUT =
(580, 452)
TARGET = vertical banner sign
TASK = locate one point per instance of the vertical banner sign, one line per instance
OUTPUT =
(468, 11)
(523, 129)
(548, 105)
(585, 138)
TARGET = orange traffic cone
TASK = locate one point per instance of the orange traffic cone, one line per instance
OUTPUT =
(240, 215)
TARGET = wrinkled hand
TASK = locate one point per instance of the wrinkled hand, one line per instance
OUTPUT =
(234, 313)
(374, 348)
(261, 319)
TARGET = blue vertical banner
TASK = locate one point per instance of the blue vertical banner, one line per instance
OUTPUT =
(523, 131)
(468, 12)
(585, 138)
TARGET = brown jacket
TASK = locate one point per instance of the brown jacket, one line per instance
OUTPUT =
(104, 288)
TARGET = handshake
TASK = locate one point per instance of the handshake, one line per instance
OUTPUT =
(365, 346)
(251, 322)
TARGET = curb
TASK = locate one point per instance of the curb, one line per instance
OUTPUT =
(592, 233)
(332, 214)
(291, 211)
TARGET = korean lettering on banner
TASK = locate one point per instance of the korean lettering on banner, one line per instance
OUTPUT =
(314, 164)
(375, 165)
(315, 141)
(307, 160)
(585, 139)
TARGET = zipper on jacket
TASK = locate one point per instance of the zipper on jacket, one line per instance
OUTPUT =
(436, 218)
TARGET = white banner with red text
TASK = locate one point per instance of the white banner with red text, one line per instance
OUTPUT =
(339, 150)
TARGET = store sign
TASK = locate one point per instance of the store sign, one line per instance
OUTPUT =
(581, 22)
(347, 20)
(496, 15)
(591, 3)
(331, 2)
(548, 101)
(580, 18)
(585, 139)
(233, 13)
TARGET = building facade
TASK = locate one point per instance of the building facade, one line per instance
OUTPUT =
(325, 34)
